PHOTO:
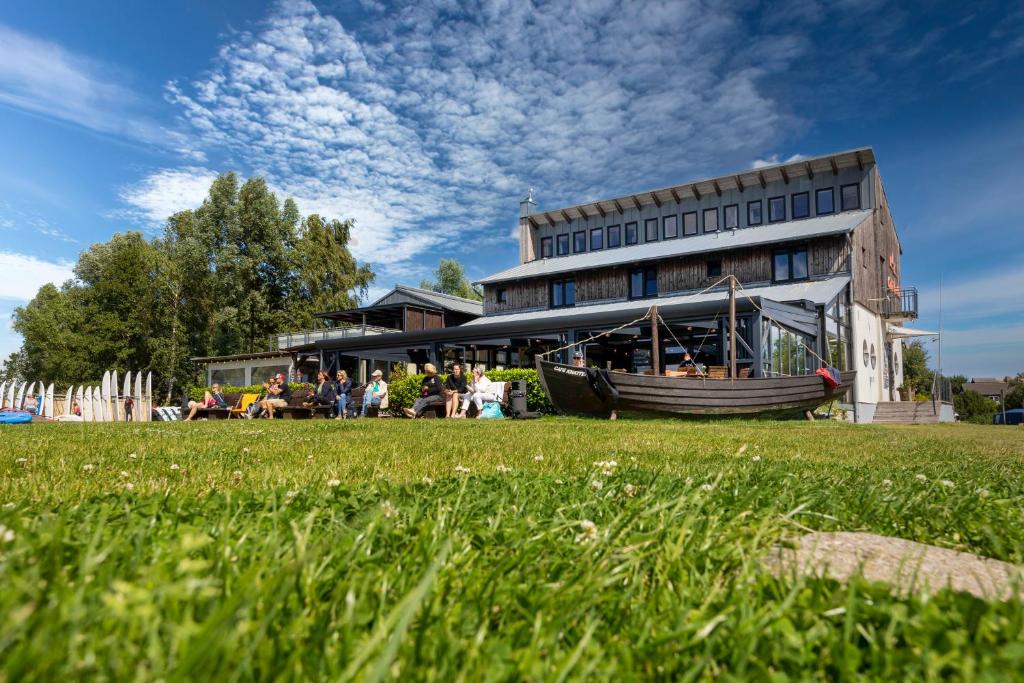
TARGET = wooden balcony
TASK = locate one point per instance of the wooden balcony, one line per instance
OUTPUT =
(900, 304)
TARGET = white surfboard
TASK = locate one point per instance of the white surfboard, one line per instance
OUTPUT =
(68, 398)
(48, 403)
(105, 396)
(148, 417)
(80, 399)
(19, 401)
(137, 409)
(9, 398)
(115, 402)
(97, 405)
(41, 399)
(3, 394)
(86, 404)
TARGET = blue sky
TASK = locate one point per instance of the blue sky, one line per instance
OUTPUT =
(427, 122)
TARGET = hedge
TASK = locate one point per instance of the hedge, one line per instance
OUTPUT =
(403, 392)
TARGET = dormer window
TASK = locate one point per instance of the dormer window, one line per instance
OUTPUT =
(801, 202)
(731, 216)
(579, 242)
(546, 247)
(563, 245)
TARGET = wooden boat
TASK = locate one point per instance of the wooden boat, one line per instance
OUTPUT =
(599, 393)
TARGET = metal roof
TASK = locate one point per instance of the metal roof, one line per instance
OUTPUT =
(827, 163)
(815, 291)
(727, 239)
(445, 301)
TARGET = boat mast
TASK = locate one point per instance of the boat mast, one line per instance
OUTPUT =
(655, 345)
(732, 327)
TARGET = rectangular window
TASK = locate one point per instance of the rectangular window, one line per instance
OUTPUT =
(579, 242)
(850, 196)
(651, 230)
(501, 295)
(545, 247)
(731, 214)
(631, 235)
(669, 227)
(563, 293)
(824, 201)
(801, 202)
(711, 220)
(714, 268)
(790, 264)
(614, 236)
(597, 239)
(776, 209)
(754, 216)
(563, 245)
(643, 283)
(690, 223)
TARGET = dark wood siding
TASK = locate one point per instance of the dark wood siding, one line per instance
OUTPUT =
(828, 256)
(876, 251)
(691, 272)
(522, 295)
(598, 285)
(433, 320)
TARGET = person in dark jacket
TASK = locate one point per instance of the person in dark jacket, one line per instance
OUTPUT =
(343, 388)
(325, 395)
(454, 388)
(430, 393)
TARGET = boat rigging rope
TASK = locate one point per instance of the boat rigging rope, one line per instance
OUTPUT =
(821, 360)
(599, 335)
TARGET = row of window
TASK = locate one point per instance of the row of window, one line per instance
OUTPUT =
(788, 265)
(615, 236)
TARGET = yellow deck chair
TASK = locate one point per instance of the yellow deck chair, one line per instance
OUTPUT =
(244, 402)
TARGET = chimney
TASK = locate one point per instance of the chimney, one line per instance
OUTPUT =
(527, 206)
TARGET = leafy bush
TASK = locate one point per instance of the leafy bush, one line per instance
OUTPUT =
(973, 407)
(403, 392)
(197, 393)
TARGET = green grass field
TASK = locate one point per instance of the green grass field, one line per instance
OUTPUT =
(364, 550)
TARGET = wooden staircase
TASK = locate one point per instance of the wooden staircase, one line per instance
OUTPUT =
(905, 412)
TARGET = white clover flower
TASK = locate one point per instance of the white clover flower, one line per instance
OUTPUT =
(559, 481)
(756, 458)
(588, 533)
(21, 461)
(6, 535)
(245, 451)
(887, 483)
(427, 480)
(948, 484)
(9, 506)
(132, 456)
(175, 467)
(289, 495)
(983, 493)
(236, 475)
(920, 477)
(707, 487)
(629, 490)
(459, 469)
(539, 457)
(596, 485)
(128, 486)
(388, 509)
(87, 467)
(334, 483)
(503, 469)
(124, 474)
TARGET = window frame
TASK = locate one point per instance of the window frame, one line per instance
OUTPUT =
(708, 267)
(842, 198)
(704, 220)
(647, 274)
(760, 211)
(579, 234)
(664, 224)
(608, 237)
(547, 244)
(561, 283)
(599, 232)
(790, 252)
(558, 244)
(817, 202)
(647, 232)
(636, 233)
(501, 295)
(792, 204)
(696, 224)
(725, 214)
(777, 220)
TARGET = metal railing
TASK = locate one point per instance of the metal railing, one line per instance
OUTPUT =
(942, 391)
(901, 303)
(285, 340)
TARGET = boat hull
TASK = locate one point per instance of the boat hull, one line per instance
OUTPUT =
(594, 393)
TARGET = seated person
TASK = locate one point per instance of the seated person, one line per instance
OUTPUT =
(479, 392)
(430, 393)
(376, 391)
(31, 405)
(324, 394)
(278, 395)
(343, 389)
(577, 360)
(211, 399)
(76, 409)
(454, 388)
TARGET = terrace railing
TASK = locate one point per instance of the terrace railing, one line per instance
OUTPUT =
(900, 304)
(286, 340)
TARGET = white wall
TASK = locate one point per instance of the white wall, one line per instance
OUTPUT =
(868, 328)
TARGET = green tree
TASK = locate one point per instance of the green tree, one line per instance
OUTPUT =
(916, 374)
(973, 407)
(956, 383)
(451, 279)
(1015, 396)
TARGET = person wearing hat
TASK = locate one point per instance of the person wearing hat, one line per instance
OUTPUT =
(278, 395)
(577, 360)
(375, 393)
(430, 392)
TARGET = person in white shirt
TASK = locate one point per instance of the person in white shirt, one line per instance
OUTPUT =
(479, 392)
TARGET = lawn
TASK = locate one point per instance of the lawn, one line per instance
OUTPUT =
(476, 550)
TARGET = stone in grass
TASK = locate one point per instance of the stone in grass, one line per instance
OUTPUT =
(908, 566)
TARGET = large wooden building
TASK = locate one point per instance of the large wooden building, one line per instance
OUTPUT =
(811, 242)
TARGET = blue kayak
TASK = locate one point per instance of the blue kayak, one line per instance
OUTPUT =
(15, 417)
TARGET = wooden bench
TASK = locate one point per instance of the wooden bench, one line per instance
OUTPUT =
(218, 413)
(296, 411)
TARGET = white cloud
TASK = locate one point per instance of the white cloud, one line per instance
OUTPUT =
(773, 160)
(167, 191)
(24, 275)
(43, 78)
